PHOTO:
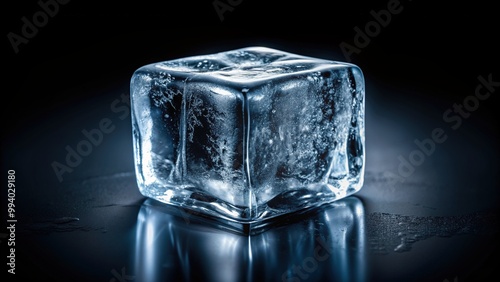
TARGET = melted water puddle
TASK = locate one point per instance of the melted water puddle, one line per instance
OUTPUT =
(393, 232)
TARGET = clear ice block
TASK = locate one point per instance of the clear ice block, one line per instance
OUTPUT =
(248, 134)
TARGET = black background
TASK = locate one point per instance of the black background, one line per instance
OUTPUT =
(427, 58)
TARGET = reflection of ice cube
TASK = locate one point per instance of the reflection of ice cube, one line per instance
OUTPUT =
(325, 245)
(248, 134)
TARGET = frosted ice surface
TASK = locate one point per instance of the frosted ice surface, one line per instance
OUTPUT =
(248, 134)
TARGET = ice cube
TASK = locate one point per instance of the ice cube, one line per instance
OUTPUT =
(248, 134)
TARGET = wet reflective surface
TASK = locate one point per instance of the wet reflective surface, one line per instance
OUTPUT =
(328, 243)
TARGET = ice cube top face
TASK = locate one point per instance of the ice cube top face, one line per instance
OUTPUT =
(248, 134)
